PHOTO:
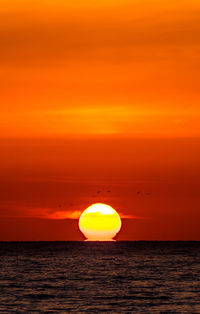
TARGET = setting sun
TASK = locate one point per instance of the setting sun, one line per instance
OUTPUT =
(99, 222)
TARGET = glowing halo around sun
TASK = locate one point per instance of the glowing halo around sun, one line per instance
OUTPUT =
(99, 222)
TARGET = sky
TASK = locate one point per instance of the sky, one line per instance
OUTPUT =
(99, 102)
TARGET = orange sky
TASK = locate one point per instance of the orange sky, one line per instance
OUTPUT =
(99, 96)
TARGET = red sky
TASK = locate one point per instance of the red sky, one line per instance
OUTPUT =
(97, 97)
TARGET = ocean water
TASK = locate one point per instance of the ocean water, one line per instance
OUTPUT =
(100, 277)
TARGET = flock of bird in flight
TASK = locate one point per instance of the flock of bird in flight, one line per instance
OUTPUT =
(109, 191)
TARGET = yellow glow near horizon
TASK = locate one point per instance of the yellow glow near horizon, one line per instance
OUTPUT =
(99, 222)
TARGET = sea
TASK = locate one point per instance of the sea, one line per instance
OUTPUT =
(100, 277)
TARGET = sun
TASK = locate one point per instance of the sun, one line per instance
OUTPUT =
(99, 222)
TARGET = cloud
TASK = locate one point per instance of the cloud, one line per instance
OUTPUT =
(121, 32)
(11, 210)
(76, 214)
(51, 213)
(125, 216)
(87, 55)
(64, 215)
(48, 213)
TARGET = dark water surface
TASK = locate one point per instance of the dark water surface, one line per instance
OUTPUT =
(93, 277)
